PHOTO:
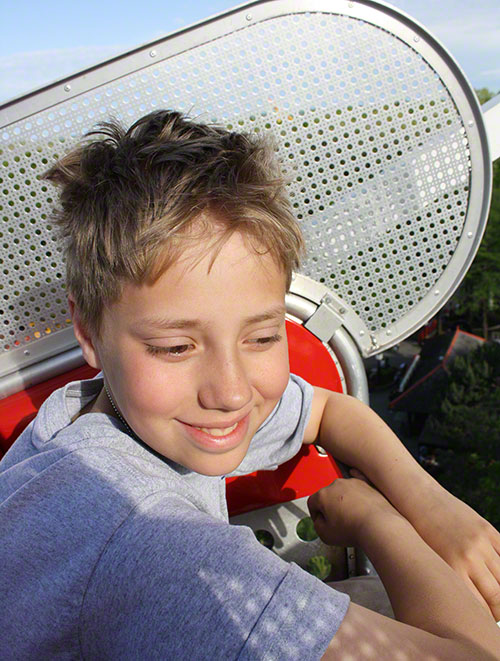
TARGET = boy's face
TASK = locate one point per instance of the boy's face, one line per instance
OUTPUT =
(198, 360)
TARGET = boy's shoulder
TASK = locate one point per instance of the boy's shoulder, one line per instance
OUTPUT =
(93, 450)
(100, 531)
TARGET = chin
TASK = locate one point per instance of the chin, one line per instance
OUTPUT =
(217, 465)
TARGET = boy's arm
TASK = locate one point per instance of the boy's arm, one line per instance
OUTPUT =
(354, 434)
(438, 617)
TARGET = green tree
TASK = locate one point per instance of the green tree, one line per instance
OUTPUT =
(468, 421)
(478, 297)
(484, 95)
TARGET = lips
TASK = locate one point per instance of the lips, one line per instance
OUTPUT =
(218, 431)
(218, 439)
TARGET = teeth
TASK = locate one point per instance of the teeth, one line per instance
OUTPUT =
(214, 431)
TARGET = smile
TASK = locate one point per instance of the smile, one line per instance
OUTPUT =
(217, 439)
(215, 431)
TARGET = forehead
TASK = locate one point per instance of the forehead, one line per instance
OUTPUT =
(205, 234)
(230, 280)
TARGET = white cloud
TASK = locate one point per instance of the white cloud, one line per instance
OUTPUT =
(491, 72)
(476, 33)
(24, 72)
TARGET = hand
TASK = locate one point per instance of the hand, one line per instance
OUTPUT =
(469, 544)
(342, 510)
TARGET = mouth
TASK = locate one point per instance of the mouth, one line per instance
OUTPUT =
(220, 438)
(218, 431)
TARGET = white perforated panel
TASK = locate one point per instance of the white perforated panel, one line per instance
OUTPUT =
(371, 139)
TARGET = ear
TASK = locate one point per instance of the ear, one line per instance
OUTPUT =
(84, 338)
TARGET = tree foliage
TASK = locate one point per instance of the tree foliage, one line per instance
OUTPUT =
(478, 297)
(469, 422)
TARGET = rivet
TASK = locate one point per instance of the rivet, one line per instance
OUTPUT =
(152, 53)
(351, 4)
(416, 39)
(26, 352)
(469, 235)
(436, 293)
(248, 17)
(388, 332)
(361, 333)
(342, 311)
(470, 122)
(67, 88)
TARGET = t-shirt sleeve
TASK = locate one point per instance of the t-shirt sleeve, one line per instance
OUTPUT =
(280, 436)
(175, 583)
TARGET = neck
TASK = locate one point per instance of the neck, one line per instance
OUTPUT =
(115, 412)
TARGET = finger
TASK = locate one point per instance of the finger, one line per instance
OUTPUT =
(320, 523)
(494, 600)
(495, 541)
(493, 564)
(314, 506)
(472, 587)
(488, 586)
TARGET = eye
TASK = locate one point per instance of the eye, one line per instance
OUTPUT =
(177, 350)
(265, 341)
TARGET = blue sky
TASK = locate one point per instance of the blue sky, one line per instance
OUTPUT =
(44, 41)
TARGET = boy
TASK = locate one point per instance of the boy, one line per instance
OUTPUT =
(180, 248)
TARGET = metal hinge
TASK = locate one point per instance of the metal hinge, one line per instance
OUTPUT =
(326, 320)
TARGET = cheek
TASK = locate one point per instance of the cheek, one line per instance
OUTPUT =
(277, 372)
(139, 382)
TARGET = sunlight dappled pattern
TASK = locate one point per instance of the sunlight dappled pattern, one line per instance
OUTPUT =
(281, 623)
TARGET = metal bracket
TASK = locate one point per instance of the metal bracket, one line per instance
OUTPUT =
(325, 321)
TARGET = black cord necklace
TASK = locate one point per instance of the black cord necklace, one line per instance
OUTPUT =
(118, 414)
(131, 432)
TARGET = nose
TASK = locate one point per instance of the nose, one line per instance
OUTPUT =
(225, 385)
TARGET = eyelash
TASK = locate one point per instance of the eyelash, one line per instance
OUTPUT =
(268, 340)
(170, 351)
(174, 351)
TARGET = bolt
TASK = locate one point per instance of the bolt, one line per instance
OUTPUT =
(152, 53)
(67, 88)
(26, 352)
(248, 17)
(469, 235)
(342, 311)
(470, 122)
(436, 293)
(416, 39)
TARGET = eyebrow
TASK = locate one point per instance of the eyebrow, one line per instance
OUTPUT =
(163, 323)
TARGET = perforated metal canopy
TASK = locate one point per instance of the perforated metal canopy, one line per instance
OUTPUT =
(376, 127)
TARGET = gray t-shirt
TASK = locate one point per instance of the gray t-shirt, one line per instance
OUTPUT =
(110, 551)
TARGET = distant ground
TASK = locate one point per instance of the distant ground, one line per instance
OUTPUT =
(380, 396)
